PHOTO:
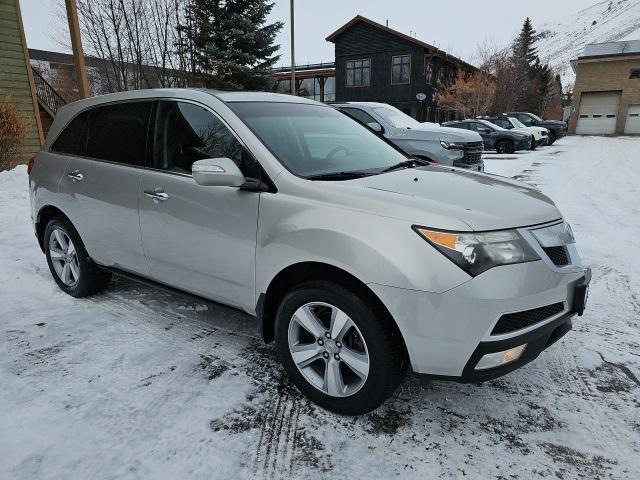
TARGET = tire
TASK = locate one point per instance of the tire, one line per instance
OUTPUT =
(552, 137)
(68, 260)
(505, 146)
(368, 335)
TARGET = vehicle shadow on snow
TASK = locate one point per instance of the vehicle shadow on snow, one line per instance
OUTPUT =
(291, 433)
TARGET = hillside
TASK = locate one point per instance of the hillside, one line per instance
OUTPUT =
(561, 40)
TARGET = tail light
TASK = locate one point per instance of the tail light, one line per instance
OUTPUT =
(30, 165)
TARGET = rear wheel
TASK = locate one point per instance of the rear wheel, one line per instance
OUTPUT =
(337, 350)
(505, 146)
(72, 269)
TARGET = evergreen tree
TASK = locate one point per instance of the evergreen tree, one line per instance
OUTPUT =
(232, 44)
(524, 51)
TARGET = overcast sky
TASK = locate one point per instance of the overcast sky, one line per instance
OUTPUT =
(457, 26)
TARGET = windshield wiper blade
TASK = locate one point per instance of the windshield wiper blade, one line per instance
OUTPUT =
(414, 162)
(339, 175)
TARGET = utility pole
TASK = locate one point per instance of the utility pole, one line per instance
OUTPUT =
(294, 86)
(76, 45)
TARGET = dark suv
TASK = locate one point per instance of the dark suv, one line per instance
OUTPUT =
(557, 129)
(495, 137)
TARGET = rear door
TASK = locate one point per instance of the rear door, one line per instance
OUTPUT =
(102, 182)
(196, 238)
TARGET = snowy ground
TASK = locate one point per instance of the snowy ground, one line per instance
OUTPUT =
(139, 383)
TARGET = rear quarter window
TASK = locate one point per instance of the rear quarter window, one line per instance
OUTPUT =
(72, 140)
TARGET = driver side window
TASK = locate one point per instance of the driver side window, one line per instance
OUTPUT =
(185, 133)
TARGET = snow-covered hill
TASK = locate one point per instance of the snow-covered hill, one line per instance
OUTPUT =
(611, 20)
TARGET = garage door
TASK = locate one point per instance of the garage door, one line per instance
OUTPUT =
(598, 113)
(632, 124)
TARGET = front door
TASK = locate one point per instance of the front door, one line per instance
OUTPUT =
(196, 238)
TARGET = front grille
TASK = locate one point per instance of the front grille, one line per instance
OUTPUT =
(558, 255)
(472, 153)
(511, 322)
(544, 134)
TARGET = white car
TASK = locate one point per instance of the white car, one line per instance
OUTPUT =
(540, 134)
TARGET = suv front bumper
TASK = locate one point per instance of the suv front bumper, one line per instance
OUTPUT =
(447, 334)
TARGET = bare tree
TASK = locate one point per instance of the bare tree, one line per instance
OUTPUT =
(469, 94)
(135, 43)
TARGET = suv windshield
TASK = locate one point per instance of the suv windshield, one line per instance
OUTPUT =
(311, 140)
(536, 117)
(396, 118)
(516, 123)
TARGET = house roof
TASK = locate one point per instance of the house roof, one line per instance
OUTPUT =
(430, 48)
(611, 48)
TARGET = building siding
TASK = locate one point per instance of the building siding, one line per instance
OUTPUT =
(15, 74)
(609, 74)
(362, 40)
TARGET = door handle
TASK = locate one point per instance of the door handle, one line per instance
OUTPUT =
(157, 195)
(75, 176)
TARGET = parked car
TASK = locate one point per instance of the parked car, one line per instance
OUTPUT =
(358, 260)
(495, 137)
(430, 141)
(557, 129)
(540, 134)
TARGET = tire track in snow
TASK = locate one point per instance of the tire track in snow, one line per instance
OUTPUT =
(275, 454)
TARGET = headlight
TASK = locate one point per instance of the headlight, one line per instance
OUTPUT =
(452, 145)
(478, 252)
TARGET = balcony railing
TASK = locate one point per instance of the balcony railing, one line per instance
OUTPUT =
(48, 97)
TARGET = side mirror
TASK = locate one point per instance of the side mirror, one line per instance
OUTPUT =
(217, 172)
(375, 126)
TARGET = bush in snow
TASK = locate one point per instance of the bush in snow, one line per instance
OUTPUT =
(13, 132)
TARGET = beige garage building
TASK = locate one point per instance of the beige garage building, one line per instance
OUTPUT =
(606, 95)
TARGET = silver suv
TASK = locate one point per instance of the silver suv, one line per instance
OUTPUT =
(455, 147)
(359, 261)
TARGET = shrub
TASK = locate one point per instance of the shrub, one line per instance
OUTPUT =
(13, 133)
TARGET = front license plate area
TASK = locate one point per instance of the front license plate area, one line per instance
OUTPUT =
(581, 293)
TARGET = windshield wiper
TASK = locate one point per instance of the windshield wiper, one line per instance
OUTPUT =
(339, 175)
(414, 162)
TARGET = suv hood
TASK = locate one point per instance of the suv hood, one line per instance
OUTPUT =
(552, 123)
(429, 132)
(483, 202)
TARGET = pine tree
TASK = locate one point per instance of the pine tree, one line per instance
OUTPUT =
(523, 48)
(233, 46)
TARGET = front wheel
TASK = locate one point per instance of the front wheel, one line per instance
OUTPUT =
(72, 269)
(505, 146)
(337, 350)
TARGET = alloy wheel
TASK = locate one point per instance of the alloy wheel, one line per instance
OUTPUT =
(328, 349)
(64, 258)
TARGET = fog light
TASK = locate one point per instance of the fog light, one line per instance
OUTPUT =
(497, 359)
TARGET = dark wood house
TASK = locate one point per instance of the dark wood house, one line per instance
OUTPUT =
(375, 63)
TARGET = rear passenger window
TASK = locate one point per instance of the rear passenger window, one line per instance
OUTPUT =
(71, 139)
(118, 133)
(185, 133)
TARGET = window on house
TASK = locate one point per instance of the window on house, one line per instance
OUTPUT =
(401, 69)
(635, 73)
(428, 70)
(358, 73)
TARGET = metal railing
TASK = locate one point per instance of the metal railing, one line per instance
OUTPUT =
(48, 97)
